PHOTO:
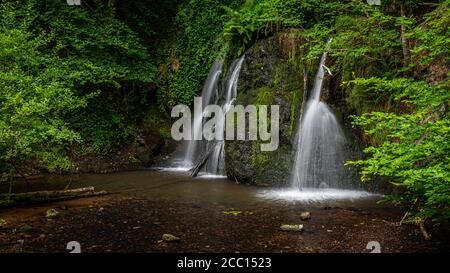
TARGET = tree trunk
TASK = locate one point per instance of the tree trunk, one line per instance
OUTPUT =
(305, 90)
(403, 38)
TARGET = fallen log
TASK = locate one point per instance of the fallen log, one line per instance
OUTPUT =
(200, 164)
(28, 198)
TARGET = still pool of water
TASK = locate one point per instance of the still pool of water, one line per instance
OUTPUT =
(176, 185)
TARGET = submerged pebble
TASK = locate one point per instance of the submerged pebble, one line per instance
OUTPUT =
(292, 227)
(170, 238)
(306, 215)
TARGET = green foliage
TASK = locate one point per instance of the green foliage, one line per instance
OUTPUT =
(198, 44)
(434, 36)
(33, 103)
(71, 80)
(414, 153)
(365, 41)
(261, 18)
(93, 52)
(78, 80)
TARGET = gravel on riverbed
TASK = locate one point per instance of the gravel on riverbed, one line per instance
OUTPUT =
(123, 224)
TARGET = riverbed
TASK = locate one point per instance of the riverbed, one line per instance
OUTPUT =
(208, 214)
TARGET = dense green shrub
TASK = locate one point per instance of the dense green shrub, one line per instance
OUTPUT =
(415, 150)
(34, 104)
(70, 77)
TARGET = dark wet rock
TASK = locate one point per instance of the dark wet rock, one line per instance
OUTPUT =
(271, 75)
(26, 228)
(153, 143)
(148, 144)
(306, 215)
(51, 213)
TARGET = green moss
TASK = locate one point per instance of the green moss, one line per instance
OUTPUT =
(259, 159)
(264, 96)
(157, 120)
(297, 98)
(277, 78)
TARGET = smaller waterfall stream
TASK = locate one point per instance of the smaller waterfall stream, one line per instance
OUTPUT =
(318, 174)
(216, 163)
(320, 148)
(210, 95)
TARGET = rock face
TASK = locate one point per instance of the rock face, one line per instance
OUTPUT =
(149, 144)
(274, 73)
(271, 74)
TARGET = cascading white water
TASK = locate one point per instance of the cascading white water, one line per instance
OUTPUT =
(216, 162)
(194, 148)
(209, 96)
(320, 144)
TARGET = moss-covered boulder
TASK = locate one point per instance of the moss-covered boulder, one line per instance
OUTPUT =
(272, 74)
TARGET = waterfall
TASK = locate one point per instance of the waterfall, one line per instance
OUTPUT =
(216, 162)
(209, 96)
(320, 143)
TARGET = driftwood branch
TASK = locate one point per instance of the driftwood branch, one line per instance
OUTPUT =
(424, 231)
(203, 160)
(26, 198)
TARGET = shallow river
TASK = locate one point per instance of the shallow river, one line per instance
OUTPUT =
(178, 186)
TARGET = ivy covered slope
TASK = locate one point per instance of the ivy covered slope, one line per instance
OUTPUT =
(74, 81)
(198, 27)
(413, 139)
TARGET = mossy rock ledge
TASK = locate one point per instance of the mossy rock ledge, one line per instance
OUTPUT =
(271, 75)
